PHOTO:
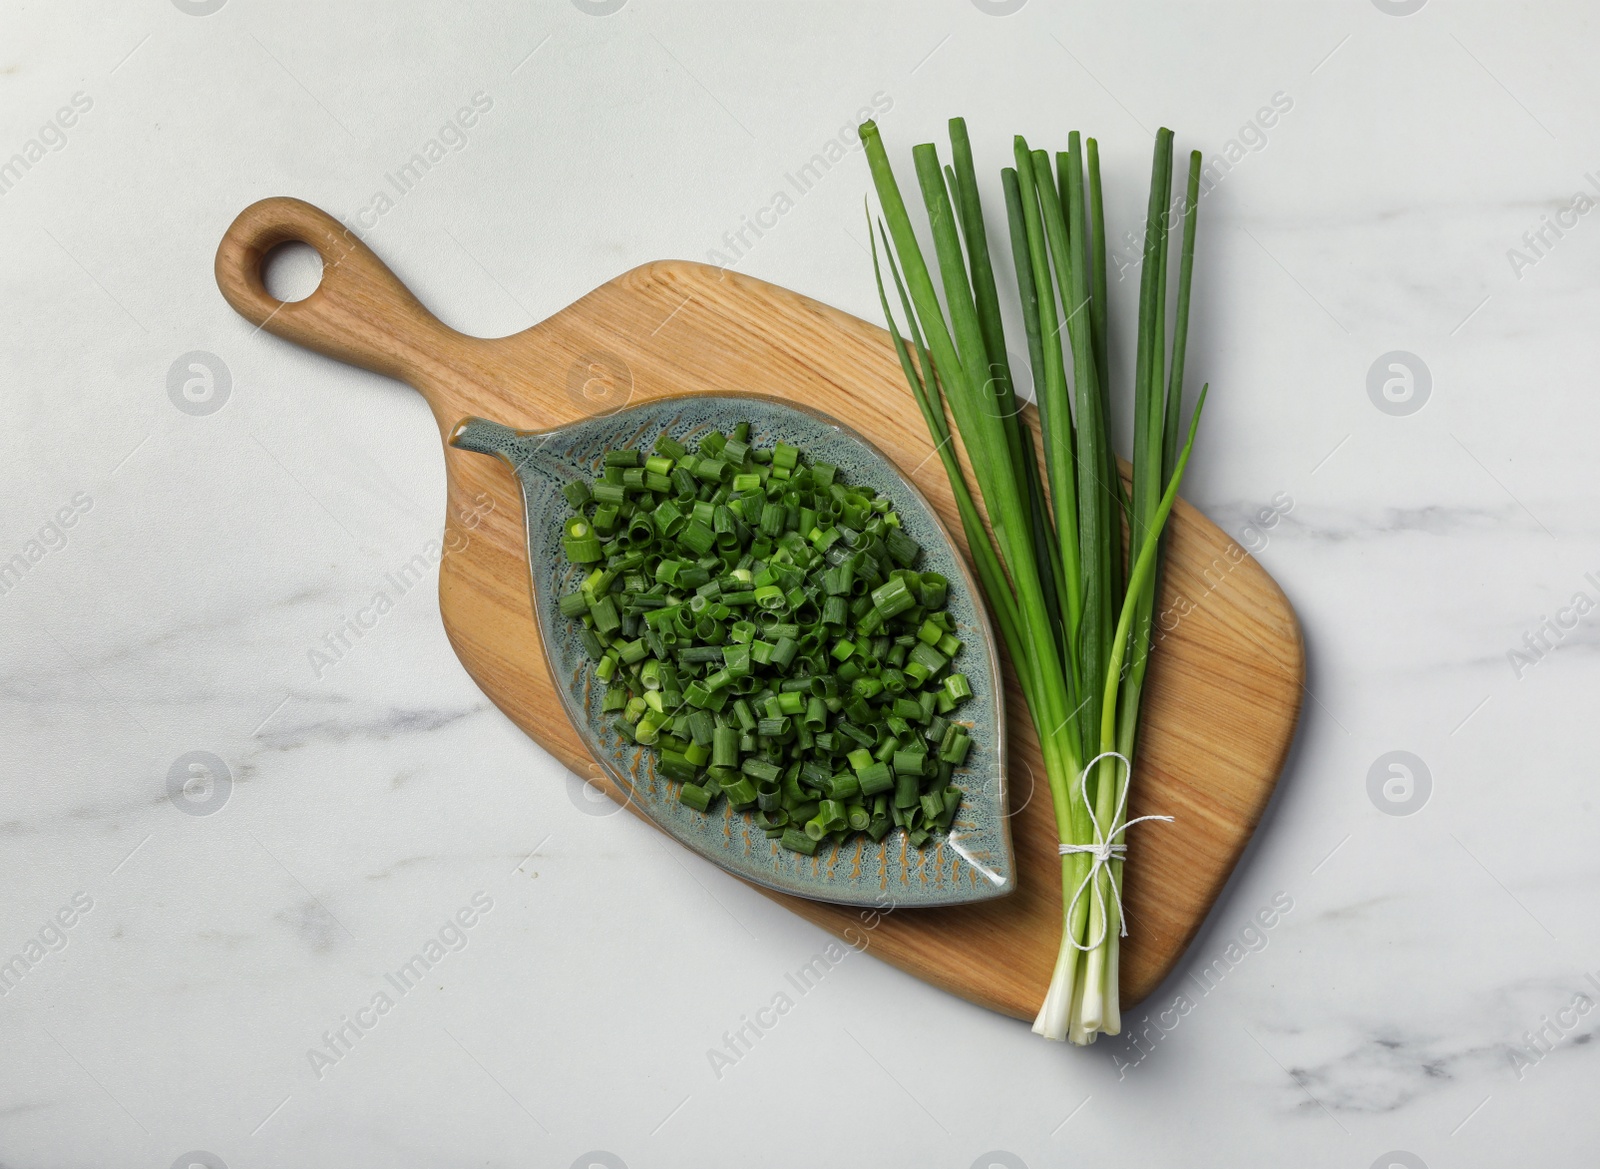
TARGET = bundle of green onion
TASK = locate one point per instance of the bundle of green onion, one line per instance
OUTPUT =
(760, 624)
(1074, 614)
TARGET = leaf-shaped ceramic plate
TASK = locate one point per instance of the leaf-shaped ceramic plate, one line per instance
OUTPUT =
(973, 863)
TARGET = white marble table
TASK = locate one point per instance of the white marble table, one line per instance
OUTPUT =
(187, 959)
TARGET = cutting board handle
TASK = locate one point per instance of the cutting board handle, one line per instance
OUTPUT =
(361, 313)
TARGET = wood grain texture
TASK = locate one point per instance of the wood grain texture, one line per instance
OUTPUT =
(1224, 688)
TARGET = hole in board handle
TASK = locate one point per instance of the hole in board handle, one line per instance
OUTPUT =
(291, 271)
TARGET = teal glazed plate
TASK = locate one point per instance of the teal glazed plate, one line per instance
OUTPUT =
(974, 862)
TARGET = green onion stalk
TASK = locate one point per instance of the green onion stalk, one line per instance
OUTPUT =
(1047, 542)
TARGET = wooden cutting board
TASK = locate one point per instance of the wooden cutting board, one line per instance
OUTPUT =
(1223, 691)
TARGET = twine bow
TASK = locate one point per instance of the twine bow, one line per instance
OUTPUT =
(1102, 851)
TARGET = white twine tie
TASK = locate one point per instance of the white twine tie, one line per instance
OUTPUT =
(1104, 849)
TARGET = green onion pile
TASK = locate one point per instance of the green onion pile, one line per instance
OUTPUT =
(761, 625)
(1074, 613)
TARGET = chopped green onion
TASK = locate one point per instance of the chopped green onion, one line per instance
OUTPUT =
(580, 543)
(798, 841)
(760, 625)
(695, 796)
